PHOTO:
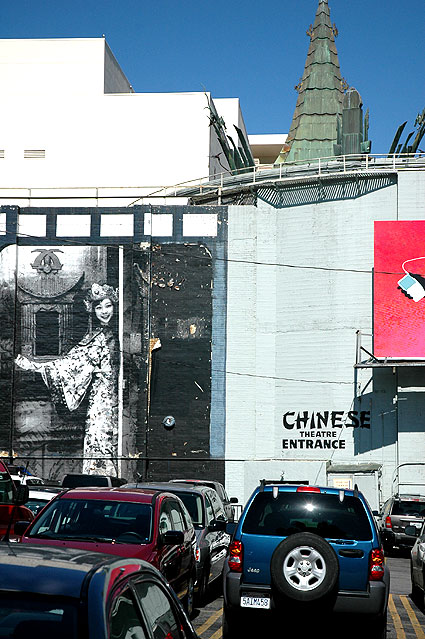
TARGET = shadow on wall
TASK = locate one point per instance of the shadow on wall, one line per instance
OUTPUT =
(397, 405)
(312, 193)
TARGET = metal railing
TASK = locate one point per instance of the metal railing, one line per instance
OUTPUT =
(255, 176)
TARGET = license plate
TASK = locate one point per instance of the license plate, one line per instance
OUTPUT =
(255, 602)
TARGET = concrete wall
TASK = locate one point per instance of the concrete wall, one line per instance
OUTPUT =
(299, 287)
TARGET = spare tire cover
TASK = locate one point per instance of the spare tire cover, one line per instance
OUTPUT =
(304, 567)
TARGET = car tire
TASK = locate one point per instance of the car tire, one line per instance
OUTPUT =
(201, 593)
(304, 567)
(188, 600)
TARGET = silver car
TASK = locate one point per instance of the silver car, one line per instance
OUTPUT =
(417, 563)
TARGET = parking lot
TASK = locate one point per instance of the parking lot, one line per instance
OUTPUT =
(406, 619)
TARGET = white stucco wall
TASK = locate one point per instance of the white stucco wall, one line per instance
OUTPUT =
(120, 140)
(70, 102)
(37, 67)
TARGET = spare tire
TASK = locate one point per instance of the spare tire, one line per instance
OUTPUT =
(304, 567)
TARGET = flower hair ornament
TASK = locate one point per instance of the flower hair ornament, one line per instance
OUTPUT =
(99, 292)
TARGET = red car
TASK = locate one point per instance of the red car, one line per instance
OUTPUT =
(12, 509)
(147, 524)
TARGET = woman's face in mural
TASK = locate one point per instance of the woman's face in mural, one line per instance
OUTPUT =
(104, 311)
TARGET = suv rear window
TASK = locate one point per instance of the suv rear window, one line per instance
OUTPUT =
(409, 507)
(322, 514)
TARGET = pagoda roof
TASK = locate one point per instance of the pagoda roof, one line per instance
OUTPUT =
(313, 131)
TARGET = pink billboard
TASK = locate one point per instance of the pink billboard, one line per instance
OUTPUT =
(399, 290)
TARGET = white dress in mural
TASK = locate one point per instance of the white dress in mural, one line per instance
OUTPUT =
(90, 368)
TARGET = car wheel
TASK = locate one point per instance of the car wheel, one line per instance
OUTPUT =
(188, 600)
(202, 587)
(304, 567)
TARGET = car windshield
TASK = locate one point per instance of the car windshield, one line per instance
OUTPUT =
(409, 507)
(95, 519)
(6, 489)
(322, 514)
(193, 505)
(23, 617)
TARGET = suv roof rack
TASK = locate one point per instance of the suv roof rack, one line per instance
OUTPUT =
(281, 482)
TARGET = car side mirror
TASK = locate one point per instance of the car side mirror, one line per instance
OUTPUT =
(173, 538)
(22, 495)
(412, 531)
(20, 527)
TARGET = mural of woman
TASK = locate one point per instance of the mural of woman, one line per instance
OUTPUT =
(91, 367)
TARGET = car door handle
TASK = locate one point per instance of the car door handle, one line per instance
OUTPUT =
(350, 552)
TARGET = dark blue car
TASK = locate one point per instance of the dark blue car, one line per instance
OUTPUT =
(51, 593)
(299, 551)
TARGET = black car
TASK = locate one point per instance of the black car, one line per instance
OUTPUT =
(228, 502)
(209, 520)
(62, 592)
(398, 513)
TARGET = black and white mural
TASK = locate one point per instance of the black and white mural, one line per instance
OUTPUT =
(101, 343)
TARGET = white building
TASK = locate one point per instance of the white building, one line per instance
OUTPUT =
(75, 127)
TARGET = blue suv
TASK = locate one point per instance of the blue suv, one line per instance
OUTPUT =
(301, 550)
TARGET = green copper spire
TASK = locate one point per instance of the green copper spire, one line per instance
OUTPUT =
(313, 131)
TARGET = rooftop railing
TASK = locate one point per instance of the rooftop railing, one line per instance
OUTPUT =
(303, 170)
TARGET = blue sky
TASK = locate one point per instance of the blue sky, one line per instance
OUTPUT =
(252, 50)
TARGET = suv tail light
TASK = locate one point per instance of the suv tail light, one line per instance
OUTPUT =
(235, 556)
(376, 564)
(388, 522)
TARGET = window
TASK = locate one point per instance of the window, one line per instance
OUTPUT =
(159, 611)
(186, 518)
(105, 520)
(318, 513)
(193, 505)
(165, 522)
(409, 507)
(6, 489)
(124, 621)
(176, 516)
(209, 510)
(217, 506)
(22, 616)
